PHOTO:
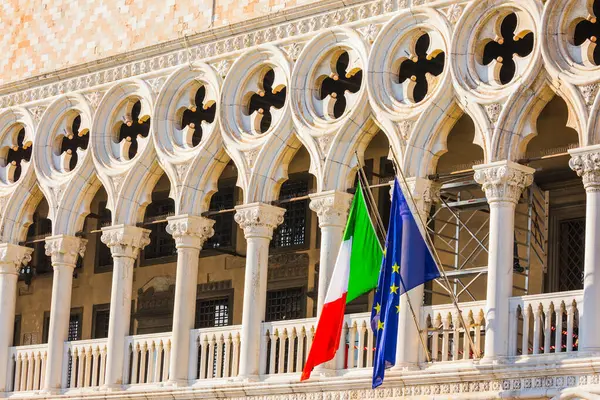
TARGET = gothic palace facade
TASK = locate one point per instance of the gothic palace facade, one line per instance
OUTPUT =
(175, 180)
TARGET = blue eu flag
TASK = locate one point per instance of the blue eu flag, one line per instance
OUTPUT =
(407, 263)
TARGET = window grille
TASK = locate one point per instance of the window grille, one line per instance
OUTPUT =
(212, 312)
(571, 254)
(285, 304)
(162, 243)
(224, 224)
(292, 232)
(74, 327)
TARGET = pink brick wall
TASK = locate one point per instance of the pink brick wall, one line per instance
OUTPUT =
(40, 36)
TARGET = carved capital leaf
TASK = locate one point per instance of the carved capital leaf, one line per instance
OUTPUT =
(12, 257)
(503, 181)
(64, 250)
(258, 219)
(331, 207)
(586, 163)
(125, 240)
(190, 231)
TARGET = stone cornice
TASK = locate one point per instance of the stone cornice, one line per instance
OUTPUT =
(585, 161)
(331, 207)
(286, 26)
(190, 231)
(503, 181)
(12, 257)
(64, 250)
(125, 240)
(258, 219)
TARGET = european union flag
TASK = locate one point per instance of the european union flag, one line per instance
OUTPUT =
(407, 263)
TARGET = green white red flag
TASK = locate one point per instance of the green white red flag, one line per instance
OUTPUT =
(356, 272)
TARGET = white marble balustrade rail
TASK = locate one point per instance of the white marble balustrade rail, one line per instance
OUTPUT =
(85, 362)
(27, 367)
(215, 352)
(444, 333)
(545, 323)
(147, 358)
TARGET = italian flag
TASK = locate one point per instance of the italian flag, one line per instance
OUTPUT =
(356, 272)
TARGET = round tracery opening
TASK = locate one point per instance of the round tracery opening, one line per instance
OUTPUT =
(15, 153)
(337, 88)
(501, 54)
(421, 70)
(587, 33)
(264, 102)
(71, 143)
(132, 130)
(196, 116)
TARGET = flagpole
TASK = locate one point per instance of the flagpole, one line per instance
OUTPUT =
(363, 177)
(433, 250)
(371, 199)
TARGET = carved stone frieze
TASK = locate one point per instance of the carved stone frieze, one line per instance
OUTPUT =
(65, 250)
(331, 207)
(190, 231)
(209, 48)
(258, 219)
(12, 257)
(503, 181)
(586, 163)
(125, 240)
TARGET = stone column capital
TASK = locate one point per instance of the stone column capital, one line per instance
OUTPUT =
(258, 219)
(585, 161)
(331, 207)
(12, 257)
(64, 249)
(503, 181)
(190, 231)
(125, 240)
(424, 192)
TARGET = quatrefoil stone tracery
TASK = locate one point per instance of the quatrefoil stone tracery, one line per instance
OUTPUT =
(265, 102)
(15, 155)
(586, 35)
(501, 55)
(418, 73)
(196, 117)
(337, 89)
(132, 130)
(73, 141)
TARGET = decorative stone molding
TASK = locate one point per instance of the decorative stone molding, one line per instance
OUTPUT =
(424, 192)
(12, 257)
(65, 250)
(125, 240)
(258, 219)
(331, 207)
(585, 161)
(503, 181)
(589, 93)
(190, 231)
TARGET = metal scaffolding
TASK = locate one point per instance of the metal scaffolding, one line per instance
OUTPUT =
(459, 225)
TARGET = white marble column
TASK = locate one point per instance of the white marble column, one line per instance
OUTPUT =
(586, 162)
(424, 192)
(332, 210)
(64, 252)
(503, 183)
(258, 222)
(124, 242)
(190, 233)
(11, 259)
